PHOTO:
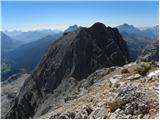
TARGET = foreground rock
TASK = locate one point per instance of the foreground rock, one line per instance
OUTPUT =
(68, 61)
(10, 89)
(122, 98)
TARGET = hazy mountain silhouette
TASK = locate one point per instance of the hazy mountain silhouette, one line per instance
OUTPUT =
(31, 36)
(8, 43)
(26, 56)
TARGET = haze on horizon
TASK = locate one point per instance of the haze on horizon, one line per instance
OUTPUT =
(32, 15)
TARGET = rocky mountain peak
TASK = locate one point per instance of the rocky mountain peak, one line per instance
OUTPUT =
(127, 25)
(71, 28)
(73, 56)
(98, 25)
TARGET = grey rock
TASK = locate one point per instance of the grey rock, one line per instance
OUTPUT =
(77, 55)
(9, 90)
(151, 52)
(131, 99)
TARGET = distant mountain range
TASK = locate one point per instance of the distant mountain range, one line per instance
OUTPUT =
(26, 52)
(31, 36)
(24, 49)
(137, 39)
(151, 32)
(128, 28)
(9, 43)
(27, 55)
(71, 28)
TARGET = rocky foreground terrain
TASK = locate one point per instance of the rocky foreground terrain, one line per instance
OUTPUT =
(10, 89)
(128, 92)
(87, 74)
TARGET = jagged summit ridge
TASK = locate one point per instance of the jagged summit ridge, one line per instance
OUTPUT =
(82, 52)
(71, 28)
(75, 55)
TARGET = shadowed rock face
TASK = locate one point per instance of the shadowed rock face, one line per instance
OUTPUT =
(77, 55)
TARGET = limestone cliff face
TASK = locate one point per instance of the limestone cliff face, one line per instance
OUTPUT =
(76, 54)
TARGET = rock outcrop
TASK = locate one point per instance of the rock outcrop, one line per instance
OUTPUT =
(113, 93)
(151, 52)
(10, 89)
(69, 60)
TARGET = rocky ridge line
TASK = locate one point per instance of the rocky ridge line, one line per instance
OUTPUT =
(68, 60)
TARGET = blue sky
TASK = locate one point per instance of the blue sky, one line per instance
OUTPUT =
(59, 15)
